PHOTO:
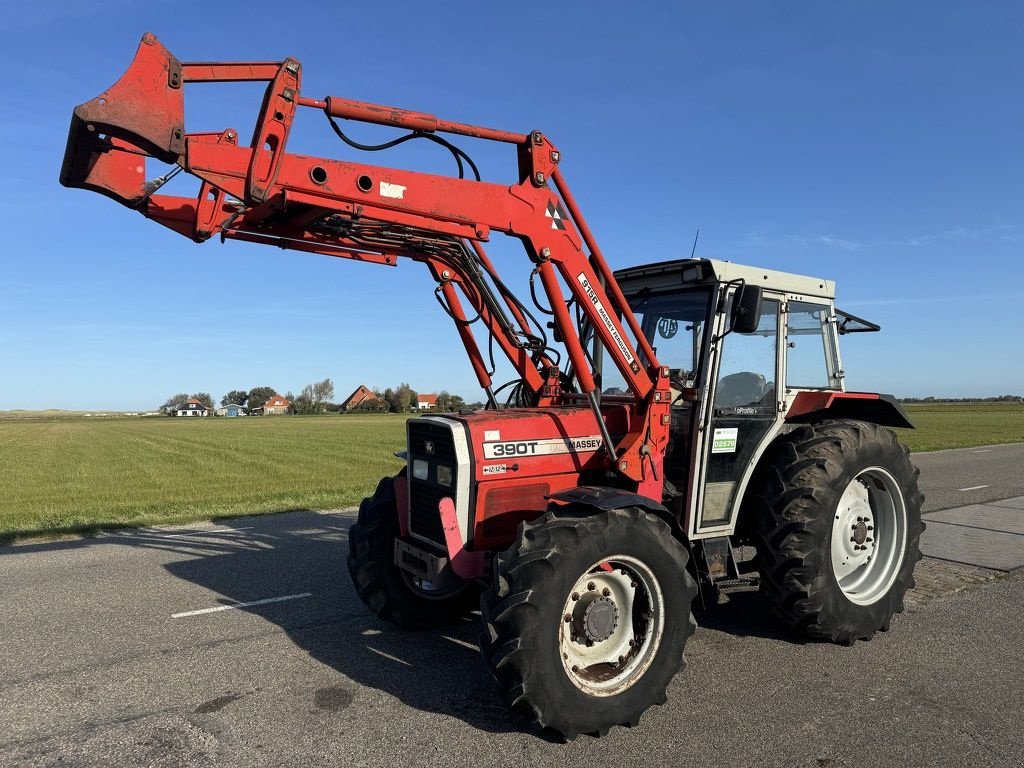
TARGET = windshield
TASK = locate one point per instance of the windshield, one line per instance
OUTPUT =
(674, 324)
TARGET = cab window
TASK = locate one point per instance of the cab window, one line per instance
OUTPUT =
(808, 338)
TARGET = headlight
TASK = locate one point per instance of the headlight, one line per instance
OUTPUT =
(444, 475)
(420, 469)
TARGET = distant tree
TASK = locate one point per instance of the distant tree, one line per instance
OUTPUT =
(314, 397)
(401, 399)
(174, 401)
(171, 404)
(235, 397)
(380, 405)
(259, 395)
(456, 403)
(444, 401)
(205, 398)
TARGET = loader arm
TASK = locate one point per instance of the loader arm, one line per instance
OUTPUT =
(263, 194)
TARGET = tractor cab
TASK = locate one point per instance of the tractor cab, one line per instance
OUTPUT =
(740, 343)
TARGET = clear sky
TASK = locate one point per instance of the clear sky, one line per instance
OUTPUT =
(875, 143)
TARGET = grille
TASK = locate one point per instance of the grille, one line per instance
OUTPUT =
(424, 495)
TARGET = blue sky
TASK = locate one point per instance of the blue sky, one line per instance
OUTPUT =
(877, 144)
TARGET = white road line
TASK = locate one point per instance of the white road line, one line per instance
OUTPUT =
(388, 656)
(240, 605)
(203, 533)
(983, 450)
(973, 488)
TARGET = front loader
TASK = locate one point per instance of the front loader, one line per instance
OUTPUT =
(663, 419)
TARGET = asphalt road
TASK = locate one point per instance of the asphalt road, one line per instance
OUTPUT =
(108, 661)
(971, 475)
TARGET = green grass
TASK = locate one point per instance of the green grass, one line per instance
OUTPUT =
(962, 425)
(65, 474)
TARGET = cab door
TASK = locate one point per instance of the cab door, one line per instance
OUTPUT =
(743, 414)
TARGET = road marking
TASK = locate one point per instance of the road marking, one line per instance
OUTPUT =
(240, 605)
(203, 533)
(983, 450)
(973, 488)
(388, 656)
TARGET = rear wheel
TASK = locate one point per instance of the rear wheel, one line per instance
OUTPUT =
(837, 528)
(391, 593)
(586, 619)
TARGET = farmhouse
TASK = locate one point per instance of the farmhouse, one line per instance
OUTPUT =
(192, 408)
(278, 405)
(427, 402)
(231, 410)
(363, 394)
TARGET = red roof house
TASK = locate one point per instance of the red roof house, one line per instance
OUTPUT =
(363, 394)
(278, 405)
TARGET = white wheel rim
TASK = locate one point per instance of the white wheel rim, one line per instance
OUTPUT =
(869, 536)
(602, 665)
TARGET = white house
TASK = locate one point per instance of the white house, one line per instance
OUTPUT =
(192, 408)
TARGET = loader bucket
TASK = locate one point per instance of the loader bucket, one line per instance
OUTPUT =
(142, 114)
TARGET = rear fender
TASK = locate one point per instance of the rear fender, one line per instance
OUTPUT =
(883, 410)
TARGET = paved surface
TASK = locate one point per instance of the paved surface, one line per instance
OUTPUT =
(989, 535)
(111, 657)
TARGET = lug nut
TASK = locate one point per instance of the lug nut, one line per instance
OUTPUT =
(621, 659)
(575, 668)
(591, 586)
(568, 618)
(575, 595)
(607, 591)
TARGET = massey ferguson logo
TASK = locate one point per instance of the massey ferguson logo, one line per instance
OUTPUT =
(428, 447)
(524, 449)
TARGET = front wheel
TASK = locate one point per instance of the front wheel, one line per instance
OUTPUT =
(586, 619)
(391, 593)
(837, 529)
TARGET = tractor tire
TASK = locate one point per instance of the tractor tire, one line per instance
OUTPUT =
(586, 619)
(836, 518)
(392, 594)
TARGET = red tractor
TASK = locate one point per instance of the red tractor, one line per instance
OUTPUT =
(661, 418)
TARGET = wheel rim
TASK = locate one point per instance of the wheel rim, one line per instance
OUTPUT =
(611, 626)
(869, 535)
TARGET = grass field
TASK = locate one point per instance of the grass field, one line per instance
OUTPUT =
(960, 425)
(73, 474)
(77, 474)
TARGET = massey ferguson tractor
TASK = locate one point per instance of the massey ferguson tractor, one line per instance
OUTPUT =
(662, 420)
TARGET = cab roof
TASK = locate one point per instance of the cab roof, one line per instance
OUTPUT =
(670, 274)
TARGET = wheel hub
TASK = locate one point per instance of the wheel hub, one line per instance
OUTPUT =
(611, 626)
(860, 533)
(595, 617)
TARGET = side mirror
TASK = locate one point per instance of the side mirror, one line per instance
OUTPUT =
(746, 309)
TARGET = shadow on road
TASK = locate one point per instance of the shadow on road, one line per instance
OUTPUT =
(248, 559)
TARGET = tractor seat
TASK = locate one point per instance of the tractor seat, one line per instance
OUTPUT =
(740, 389)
